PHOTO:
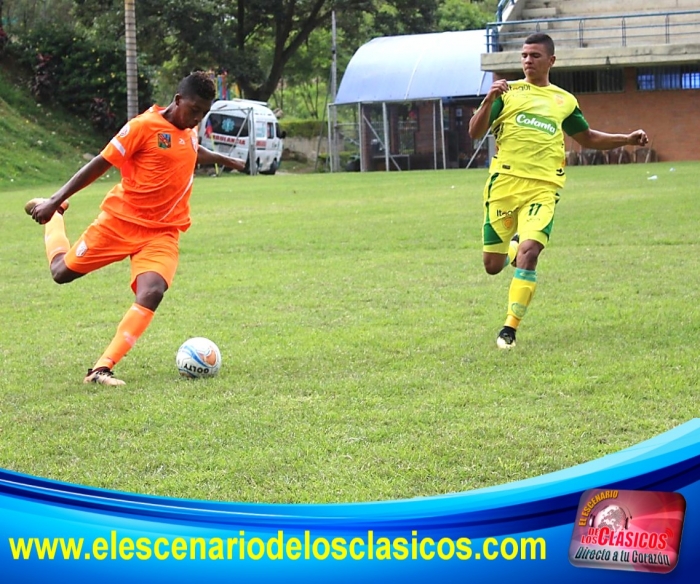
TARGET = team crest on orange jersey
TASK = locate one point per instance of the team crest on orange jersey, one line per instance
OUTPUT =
(164, 140)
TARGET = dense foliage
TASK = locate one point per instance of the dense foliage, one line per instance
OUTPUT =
(79, 73)
(75, 48)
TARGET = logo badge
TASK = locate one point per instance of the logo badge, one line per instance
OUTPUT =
(636, 531)
(518, 309)
(124, 132)
(536, 122)
(164, 141)
(506, 217)
(81, 250)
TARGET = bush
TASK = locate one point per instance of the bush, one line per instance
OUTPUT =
(349, 161)
(296, 128)
(4, 39)
(86, 76)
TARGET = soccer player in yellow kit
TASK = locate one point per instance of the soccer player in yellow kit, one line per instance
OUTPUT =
(528, 119)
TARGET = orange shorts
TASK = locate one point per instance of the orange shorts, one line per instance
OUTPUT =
(110, 240)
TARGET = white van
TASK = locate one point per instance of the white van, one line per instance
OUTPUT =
(226, 129)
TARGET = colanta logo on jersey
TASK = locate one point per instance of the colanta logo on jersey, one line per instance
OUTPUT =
(536, 123)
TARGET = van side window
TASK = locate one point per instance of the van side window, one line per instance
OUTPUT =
(270, 130)
(228, 125)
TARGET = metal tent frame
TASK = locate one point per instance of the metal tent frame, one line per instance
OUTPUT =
(366, 132)
(439, 71)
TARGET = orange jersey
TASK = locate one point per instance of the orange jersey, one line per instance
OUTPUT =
(157, 162)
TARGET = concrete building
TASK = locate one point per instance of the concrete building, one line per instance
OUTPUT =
(631, 64)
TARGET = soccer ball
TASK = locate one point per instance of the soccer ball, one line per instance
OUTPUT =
(198, 357)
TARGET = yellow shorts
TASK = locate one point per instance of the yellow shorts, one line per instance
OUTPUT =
(110, 240)
(517, 205)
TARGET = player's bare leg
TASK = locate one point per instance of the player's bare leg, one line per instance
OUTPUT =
(150, 289)
(55, 241)
(56, 247)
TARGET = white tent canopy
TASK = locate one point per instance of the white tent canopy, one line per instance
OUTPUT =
(415, 67)
(430, 69)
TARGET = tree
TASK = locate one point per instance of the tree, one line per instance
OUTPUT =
(286, 25)
(4, 39)
(305, 75)
(21, 16)
(253, 41)
(460, 15)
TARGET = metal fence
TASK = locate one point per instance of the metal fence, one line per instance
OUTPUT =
(650, 28)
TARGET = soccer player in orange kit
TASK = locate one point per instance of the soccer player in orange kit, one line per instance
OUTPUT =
(142, 216)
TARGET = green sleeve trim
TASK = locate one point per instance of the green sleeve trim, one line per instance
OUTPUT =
(496, 109)
(575, 123)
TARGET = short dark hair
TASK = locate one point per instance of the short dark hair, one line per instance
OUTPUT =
(540, 38)
(197, 84)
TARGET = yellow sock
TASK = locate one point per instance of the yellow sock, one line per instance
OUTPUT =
(522, 289)
(55, 238)
(132, 326)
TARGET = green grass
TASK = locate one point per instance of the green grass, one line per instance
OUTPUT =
(357, 328)
(39, 144)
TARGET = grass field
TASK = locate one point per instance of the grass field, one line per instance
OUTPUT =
(357, 328)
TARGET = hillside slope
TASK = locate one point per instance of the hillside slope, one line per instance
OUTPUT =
(39, 144)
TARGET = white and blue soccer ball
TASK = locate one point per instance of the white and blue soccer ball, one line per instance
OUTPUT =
(198, 357)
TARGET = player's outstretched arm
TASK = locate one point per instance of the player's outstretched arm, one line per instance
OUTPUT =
(206, 156)
(480, 122)
(84, 177)
(604, 141)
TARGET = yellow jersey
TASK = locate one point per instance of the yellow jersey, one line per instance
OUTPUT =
(529, 123)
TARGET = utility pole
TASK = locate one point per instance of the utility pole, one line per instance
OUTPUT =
(132, 89)
(333, 117)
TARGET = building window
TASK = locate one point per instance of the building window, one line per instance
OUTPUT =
(690, 80)
(663, 78)
(590, 80)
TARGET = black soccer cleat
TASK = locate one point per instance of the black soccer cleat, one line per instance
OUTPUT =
(506, 338)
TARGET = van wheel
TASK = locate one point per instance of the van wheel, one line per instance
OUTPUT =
(273, 168)
(246, 168)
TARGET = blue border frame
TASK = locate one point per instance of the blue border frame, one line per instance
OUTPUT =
(541, 507)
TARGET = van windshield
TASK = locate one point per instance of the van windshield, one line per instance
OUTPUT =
(228, 125)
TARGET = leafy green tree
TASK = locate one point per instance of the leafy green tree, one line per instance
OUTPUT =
(461, 15)
(402, 17)
(253, 41)
(21, 16)
(84, 76)
(307, 76)
(256, 42)
(304, 87)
